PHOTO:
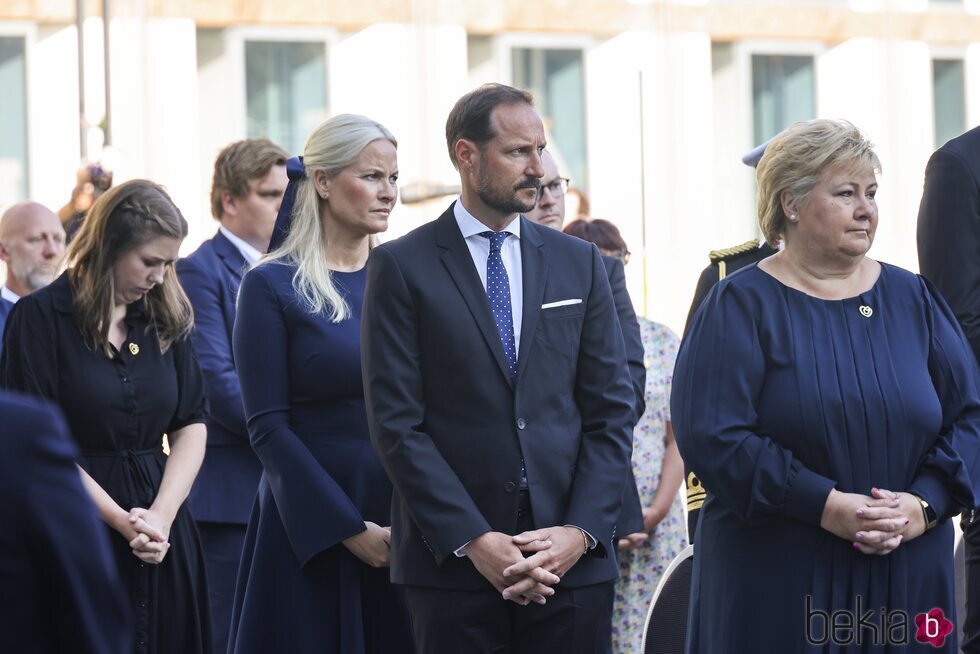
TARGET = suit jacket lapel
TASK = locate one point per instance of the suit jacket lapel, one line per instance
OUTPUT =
(229, 255)
(534, 261)
(458, 261)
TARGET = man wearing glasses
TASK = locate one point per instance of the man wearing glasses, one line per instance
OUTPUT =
(550, 212)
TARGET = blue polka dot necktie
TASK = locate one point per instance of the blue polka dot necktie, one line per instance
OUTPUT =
(498, 292)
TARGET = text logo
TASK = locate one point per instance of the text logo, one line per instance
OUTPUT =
(932, 627)
(857, 627)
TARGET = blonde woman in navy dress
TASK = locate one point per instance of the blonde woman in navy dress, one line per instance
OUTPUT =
(314, 574)
(830, 403)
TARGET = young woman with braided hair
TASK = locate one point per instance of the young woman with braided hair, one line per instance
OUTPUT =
(108, 342)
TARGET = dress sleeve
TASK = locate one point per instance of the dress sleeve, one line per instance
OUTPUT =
(211, 343)
(315, 510)
(192, 406)
(948, 475)
(29, 362)
(717, 381)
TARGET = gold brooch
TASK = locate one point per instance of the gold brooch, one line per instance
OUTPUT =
(134, 349)
(866, 311)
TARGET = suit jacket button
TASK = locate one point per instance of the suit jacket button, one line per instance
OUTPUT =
(510, 486)
(521, 423)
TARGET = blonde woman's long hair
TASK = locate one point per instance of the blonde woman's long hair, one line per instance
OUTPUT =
(332, 146)
(123, 218)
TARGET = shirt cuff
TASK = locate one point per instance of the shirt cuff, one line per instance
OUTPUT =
(592, 541)
(460, 554)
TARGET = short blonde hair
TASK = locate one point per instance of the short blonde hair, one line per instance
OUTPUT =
(798, 158)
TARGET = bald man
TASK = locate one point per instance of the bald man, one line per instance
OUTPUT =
(32, 242)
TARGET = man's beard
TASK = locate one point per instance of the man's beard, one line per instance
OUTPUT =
(33, 277)
(505, 202)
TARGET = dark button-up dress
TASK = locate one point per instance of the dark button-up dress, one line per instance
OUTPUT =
(118, 410)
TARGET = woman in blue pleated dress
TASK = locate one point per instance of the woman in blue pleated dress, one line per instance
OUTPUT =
(830, 405)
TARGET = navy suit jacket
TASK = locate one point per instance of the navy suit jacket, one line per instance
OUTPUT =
(948, 232)
(451, 426)
(5, 307)
(631, 515)
(59, 587)
(225, 488)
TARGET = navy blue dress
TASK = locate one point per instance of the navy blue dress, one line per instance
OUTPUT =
(779, 397)
(299, 589)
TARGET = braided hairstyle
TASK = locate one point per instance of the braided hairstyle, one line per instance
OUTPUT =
(123, 218)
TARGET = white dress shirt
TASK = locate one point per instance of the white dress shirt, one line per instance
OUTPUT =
(251, 255)
(510, 252)
(10, 296)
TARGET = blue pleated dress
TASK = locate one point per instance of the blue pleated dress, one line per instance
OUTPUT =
(779, 397)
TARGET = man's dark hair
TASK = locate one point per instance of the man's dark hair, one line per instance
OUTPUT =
(470, 118)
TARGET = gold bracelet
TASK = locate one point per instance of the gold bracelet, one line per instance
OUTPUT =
(586, 539)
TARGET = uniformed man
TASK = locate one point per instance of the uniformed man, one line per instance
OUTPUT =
(722, 263)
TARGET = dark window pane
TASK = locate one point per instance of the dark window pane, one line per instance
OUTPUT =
(783, 92)
(948, 99)
(286, 91)
(13, 120)
(557, 80)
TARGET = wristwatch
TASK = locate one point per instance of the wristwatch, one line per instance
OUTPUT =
(928, 513)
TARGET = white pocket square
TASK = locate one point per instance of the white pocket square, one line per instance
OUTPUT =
(561, 303)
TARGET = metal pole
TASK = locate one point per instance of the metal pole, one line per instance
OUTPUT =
(643, 199)
(82, 122)
(107, 126)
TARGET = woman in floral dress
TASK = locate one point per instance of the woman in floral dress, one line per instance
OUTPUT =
(659, 472)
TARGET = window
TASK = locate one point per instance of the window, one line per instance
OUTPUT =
(783, 92)
(948, 99)
(286, 90)
(556, 77)
(13, 119)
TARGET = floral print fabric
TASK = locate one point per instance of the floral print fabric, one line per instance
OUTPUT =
(640, 569)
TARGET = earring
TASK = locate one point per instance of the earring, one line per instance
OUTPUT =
(792, 217)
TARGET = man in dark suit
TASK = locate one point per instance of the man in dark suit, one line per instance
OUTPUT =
(247, 187)
(550, 212)
(59, 589)
(948, 236)
(32, 243)
(500, 403)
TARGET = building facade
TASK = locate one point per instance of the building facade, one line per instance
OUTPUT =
(649, 105)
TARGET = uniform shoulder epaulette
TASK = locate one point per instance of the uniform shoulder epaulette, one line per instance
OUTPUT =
(730, 253)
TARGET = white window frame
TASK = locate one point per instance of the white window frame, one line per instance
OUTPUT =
(235, 39)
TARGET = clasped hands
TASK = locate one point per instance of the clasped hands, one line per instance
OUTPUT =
(147, 532)
(876, 523)
(500, 559)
